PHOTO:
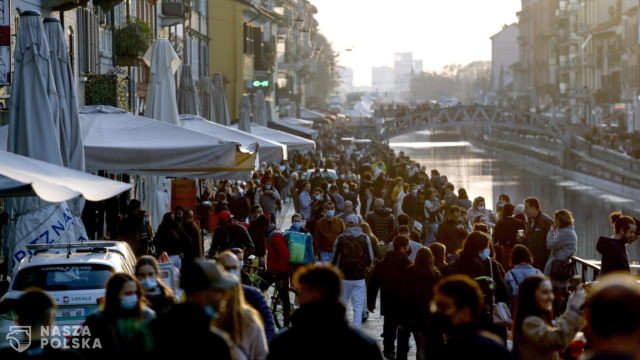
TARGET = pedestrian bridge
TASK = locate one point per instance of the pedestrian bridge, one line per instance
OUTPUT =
(482, 118)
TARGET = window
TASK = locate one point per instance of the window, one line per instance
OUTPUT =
(63, 277)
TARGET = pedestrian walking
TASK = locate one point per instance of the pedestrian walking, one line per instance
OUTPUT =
(158, 295)
(319, 328)
(522, 268)
(419, 282)
(229, 235)
(326, 231)
(439, 252)
(451, 233)
(403, 230)
(196, 245)
(387, 278)
(505, 235)
(459, 309)
(171, 239)
(381, 221)
(268, 197)
(353, 255)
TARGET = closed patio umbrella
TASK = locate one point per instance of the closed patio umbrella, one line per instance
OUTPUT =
(161, 105)
(33, 132)
(220, 101)
(71, 148)
(244, 121)
(187, 95)
(207, 101)
(260, 116)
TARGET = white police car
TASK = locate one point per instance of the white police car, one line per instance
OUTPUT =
(73, 274)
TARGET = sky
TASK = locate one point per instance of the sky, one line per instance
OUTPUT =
(440, 32)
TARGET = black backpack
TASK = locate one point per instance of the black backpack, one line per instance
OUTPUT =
(354, 255)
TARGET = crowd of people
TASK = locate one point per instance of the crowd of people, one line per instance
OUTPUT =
(619, 140)
(462, 280)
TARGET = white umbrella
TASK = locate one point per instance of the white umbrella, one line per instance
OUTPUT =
(244, 121)
(187, 95)
(293, 142)
(161, 92)
(260, 116)
(207, 103)
(220, 101)
(33, 132)
(70, 133)
(161, 105)
(56, 183)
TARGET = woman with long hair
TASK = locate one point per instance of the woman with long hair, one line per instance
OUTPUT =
(562, 241)
(614, 248)
(419, 281)
(439, 252)
(476, 262)
(534, 335)
(379, 250)
(121, 324)
(243, 325)
(159, 295)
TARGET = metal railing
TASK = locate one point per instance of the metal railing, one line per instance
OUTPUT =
(589, 270)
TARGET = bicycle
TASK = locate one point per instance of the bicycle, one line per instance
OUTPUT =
(264, 280)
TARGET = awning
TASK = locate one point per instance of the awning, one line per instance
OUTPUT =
(23, 176)
(290, 126)
(268, 150)
(119, 142)
(293, 142)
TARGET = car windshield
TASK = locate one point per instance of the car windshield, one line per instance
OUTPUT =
(63, 277)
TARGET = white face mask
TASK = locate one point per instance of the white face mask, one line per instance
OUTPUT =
(129, 302)
(149, 283)
(481, 208)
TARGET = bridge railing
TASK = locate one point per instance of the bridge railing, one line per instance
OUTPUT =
(589, 270)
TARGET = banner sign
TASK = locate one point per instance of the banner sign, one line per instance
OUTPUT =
(183, 193)
(47, 225)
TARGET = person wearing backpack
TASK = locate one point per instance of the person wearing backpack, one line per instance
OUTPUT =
(521, 260)
(353, 255)
(278, 262)
(299, 242)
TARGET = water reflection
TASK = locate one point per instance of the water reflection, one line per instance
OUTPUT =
(473, 169)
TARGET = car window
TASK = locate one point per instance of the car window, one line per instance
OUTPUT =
(63, 277)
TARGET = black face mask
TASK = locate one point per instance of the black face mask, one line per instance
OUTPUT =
(441, 321)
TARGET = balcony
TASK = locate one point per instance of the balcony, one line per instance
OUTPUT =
(172, 12)
(64, 5)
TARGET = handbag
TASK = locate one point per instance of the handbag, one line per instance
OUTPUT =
(501, 313)
(560, 270)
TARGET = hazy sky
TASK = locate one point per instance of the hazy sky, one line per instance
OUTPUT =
(439, 32)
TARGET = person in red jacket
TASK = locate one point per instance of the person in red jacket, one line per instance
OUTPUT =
(278, 265)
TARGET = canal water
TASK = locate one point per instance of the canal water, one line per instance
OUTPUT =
(482, 175)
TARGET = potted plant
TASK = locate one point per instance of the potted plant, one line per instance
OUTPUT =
(132, 40)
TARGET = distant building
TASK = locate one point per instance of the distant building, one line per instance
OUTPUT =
(504, 54)
(383, 79)
(417, 67)
(346, 79)
(403, 71)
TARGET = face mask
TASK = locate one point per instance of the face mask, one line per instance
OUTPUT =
(484, 255)
(129, 302)
(149, 283)
(481, 208)
(211, 312)
(267, 187)
(414, 192)
(330, 213)
(145, 220)
(345, 190)
(235, 273)
(318, 197)
(296, 225)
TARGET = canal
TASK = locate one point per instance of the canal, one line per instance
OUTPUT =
(482, 175)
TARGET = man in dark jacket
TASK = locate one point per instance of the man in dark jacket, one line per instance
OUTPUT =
(204, 284)
(451, 233)
(381, 221)
(319, 328)
(230, 235)
(460, 304)
(387, 277)
(505, 235)
(239, 204)
(413, 205)
(536, 229)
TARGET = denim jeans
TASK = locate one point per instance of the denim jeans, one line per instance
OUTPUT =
(354, 291)
(326, 257)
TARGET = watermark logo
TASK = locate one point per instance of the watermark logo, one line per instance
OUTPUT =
(19, 337)
(57, 337)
